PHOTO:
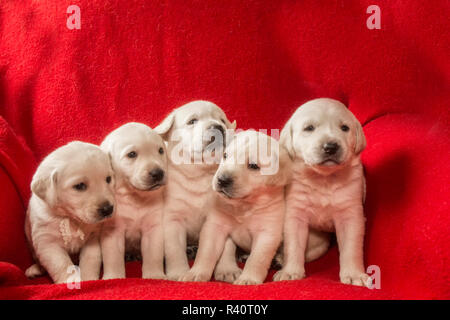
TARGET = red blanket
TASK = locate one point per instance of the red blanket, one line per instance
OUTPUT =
(259, 60)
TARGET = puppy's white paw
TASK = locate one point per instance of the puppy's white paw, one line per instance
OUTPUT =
(246, 280)
(195, 275)
(34, 271)
(354, 277)
(289, 274)
(176, 274)
(229, 274)
(150, 274)
(109, 276)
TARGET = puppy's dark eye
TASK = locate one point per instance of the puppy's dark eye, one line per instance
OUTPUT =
(225, 155)
(161, 150)
(132, 155)
(192, 121)
(80, 187)
(108, 179)
(253, 166)
(309, 128)
(345, 128)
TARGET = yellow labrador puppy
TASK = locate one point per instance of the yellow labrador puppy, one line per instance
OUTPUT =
(138, 156)
(195, 135)
(324, 139)
(71, 194)
(247, 209)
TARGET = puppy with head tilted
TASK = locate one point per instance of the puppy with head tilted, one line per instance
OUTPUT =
(195, 135)
(138, 157)
(71, 195)
(327, 190)
(247, 210)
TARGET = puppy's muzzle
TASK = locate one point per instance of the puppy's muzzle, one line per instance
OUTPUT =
(331, 152)
(156, 178)
(225, 185)
(105, 210)
(215, 128)
(330, 148)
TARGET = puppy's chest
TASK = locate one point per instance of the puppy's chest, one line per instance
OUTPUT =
(319, 203)
(72, 236)
(136, 218)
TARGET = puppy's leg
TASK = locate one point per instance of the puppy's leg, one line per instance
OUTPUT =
(152, 249)
(91, 259)
(264, 247)
(175, 250)
(227, 270)
(211, 245)
(294, 246)
(55, 260)
(113, 252)
(350, 238)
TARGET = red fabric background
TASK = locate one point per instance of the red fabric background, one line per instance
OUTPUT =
(259, 60)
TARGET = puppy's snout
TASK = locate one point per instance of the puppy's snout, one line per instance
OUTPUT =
(105, 209)
(330, 148)
(224, 181)
(217, 127)
(157, 175)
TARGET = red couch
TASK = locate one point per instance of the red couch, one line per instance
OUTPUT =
(259, 60)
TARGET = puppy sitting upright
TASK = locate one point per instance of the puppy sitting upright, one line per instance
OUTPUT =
(195, 135)
(71, 195)
(324, 139)
(138, 157)
(247, 208)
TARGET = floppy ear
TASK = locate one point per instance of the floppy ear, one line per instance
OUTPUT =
(284, 174)
(286, 139)
(360, 138)
(164, 127)
(44, 183)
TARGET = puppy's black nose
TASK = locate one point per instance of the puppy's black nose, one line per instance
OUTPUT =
(217, 127)
(106, 209)
(330, 148)
(224, 181)
(157, 174)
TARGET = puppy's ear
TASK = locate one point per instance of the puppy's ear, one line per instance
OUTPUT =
(360, 138)
(164, 127)
(286, 139)
(284, 174)
(44, 184)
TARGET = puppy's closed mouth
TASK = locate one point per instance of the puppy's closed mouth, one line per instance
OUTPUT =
(225, 193)
(155, 186)
(329, 163)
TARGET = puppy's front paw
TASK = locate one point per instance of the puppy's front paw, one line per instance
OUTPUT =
(195, 275)
(227, 274)
(289, 274)
(247, 280)
(176, 274)
(354, 277)
(34, 271)
(109, 276)
(150, 274)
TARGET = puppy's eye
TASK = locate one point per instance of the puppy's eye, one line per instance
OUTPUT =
(225, 155)
(253, 166)
(192, 121)
(80, 187)
(132, 155)
(161, 150)
(345, 128)
(223, 121)
(108, 179)
(309, 128)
